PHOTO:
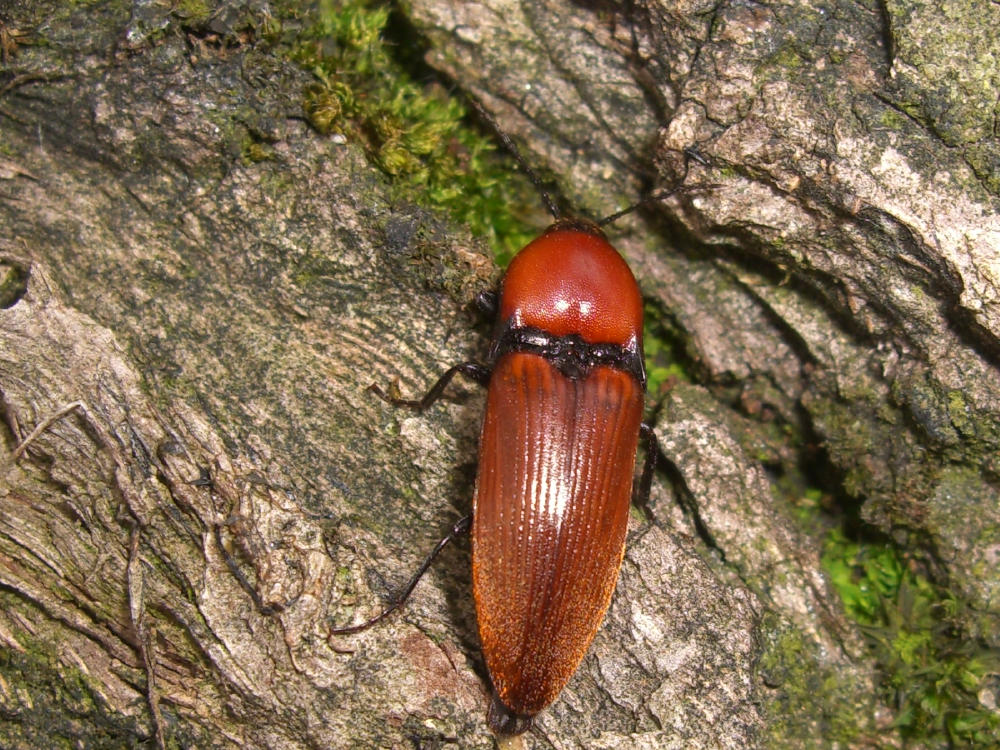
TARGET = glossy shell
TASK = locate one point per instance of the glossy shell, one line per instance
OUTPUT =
(556, 460)
(571, 280)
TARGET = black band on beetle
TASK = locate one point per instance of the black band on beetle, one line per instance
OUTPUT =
(571, 355)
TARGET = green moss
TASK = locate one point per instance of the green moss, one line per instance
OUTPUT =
(892, 119)
(966, 435)
(983, 158)
(193, 11)
(930, 672)
(255, 151)
(808, 505)
(363, 59)
(786, 58)
(13, 283)
(960, 413)
(811, 705)
(664, 352)
(49, 704)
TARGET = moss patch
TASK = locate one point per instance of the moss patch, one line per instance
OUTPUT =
(47, 704)
(371, 87)
(813, 706)
(932, 674)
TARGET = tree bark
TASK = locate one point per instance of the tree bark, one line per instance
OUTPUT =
(197, 487)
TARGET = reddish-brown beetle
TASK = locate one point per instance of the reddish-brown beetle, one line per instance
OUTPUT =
(556, 458)
(566, 383)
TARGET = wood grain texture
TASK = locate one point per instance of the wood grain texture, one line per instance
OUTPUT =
(551, 508)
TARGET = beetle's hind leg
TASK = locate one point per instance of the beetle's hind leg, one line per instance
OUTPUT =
(461, 527)
(641, 495)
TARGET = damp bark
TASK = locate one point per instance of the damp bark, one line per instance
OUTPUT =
(198, 288)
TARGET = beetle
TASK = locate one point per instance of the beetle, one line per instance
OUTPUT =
(566, 385)
(556, 458)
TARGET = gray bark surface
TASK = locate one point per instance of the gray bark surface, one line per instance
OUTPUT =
(187, 335)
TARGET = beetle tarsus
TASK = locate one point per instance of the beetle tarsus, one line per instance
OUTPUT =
(472, 370)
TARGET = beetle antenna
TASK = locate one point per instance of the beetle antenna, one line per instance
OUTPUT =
(550, 204)
(654, 198)
(691, 153)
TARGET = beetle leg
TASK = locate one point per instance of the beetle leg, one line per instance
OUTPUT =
(646, 478)
(238, 574)
(461, 527)
(471, 370)
(488, 302)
